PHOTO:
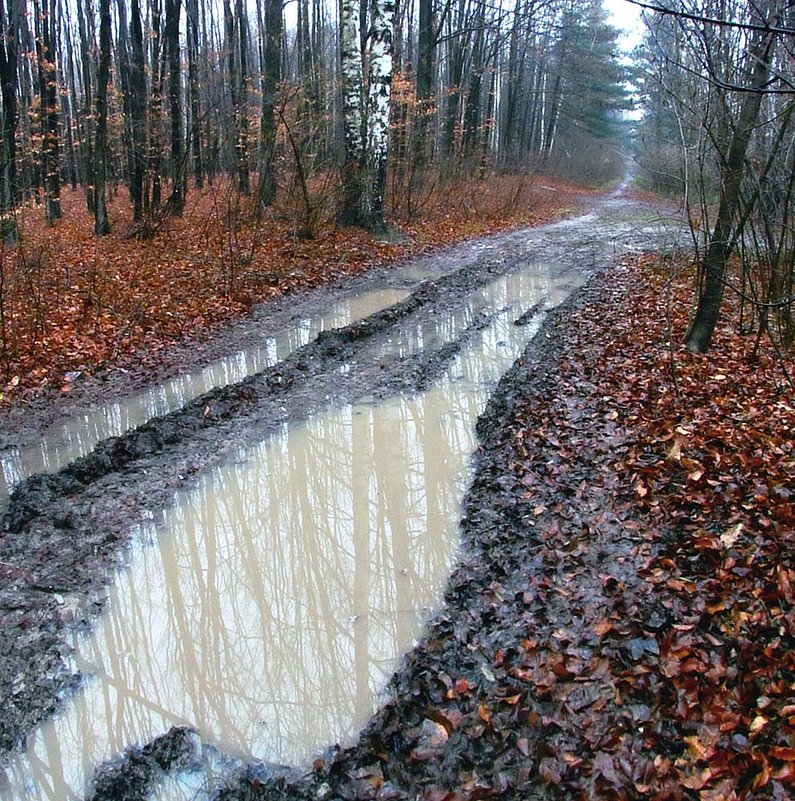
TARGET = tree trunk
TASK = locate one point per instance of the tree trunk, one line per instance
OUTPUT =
(474, 103)
(551, 106)
(101, 222)
(488, 128)
(176, 201)
(426, 46)
(352, 89)
(451, 120)
(212, 148)
(9, 58)
(48, 109)
(124, 68)
(231, 44)
(242, 160)
(378, 105)
(699, 337)
(270, 24)
(304, 47)
(75, 129)
(67, 116)
(193, 91)
(514, 80)
(87, 46)
(137, 111)
(152, 183)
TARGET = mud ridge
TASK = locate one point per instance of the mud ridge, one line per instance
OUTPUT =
(31, 497)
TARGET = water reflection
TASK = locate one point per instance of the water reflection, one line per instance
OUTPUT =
(272, 611)
(503, 301)
(281, 590)
(78, 436)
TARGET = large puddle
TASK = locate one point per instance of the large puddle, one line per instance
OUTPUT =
(79, 435)
(271, 602)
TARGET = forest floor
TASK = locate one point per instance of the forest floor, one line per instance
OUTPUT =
(74, 306)
(622, 620)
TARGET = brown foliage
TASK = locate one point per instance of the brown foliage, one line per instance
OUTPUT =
(71, 303)
(712, 469)
(699, 648)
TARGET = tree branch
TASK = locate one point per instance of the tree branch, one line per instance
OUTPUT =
(682, 14)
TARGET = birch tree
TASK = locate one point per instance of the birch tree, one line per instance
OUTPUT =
(352, 94)
(378, 106)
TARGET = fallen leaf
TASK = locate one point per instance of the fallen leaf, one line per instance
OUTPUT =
(731, 535)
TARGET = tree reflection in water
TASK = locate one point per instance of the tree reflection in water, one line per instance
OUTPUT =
(282, 589)
(78, 435)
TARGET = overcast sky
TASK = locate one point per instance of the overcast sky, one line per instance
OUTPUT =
(625, 16)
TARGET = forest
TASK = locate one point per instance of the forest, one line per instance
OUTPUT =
(174, 177)
(238, 127)
(163, 96)
(271, 121)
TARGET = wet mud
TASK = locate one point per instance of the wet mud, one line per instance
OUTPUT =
(63, 536)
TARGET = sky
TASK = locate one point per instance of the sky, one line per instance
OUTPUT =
(626, 17)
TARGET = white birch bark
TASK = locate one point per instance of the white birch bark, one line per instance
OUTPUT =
(378, 105)
(352, 91)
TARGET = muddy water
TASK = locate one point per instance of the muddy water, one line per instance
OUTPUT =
(271, 603)
(507, 298)
(79, 435)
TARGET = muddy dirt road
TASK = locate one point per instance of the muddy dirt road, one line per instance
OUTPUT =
(65, 534)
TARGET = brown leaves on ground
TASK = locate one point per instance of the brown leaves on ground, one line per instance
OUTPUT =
(714, 472)
(72, 304)
(697, 644)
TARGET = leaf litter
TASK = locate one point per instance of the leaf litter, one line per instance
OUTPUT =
(73, 305)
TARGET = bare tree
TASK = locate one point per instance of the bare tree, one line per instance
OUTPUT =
(101, 221)
(45, 21)
(271, 38)
(176, 201)
(378, 108)
(9, 59)
(138, 106)
(766, 15)
(193, 91)
(234, 40)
